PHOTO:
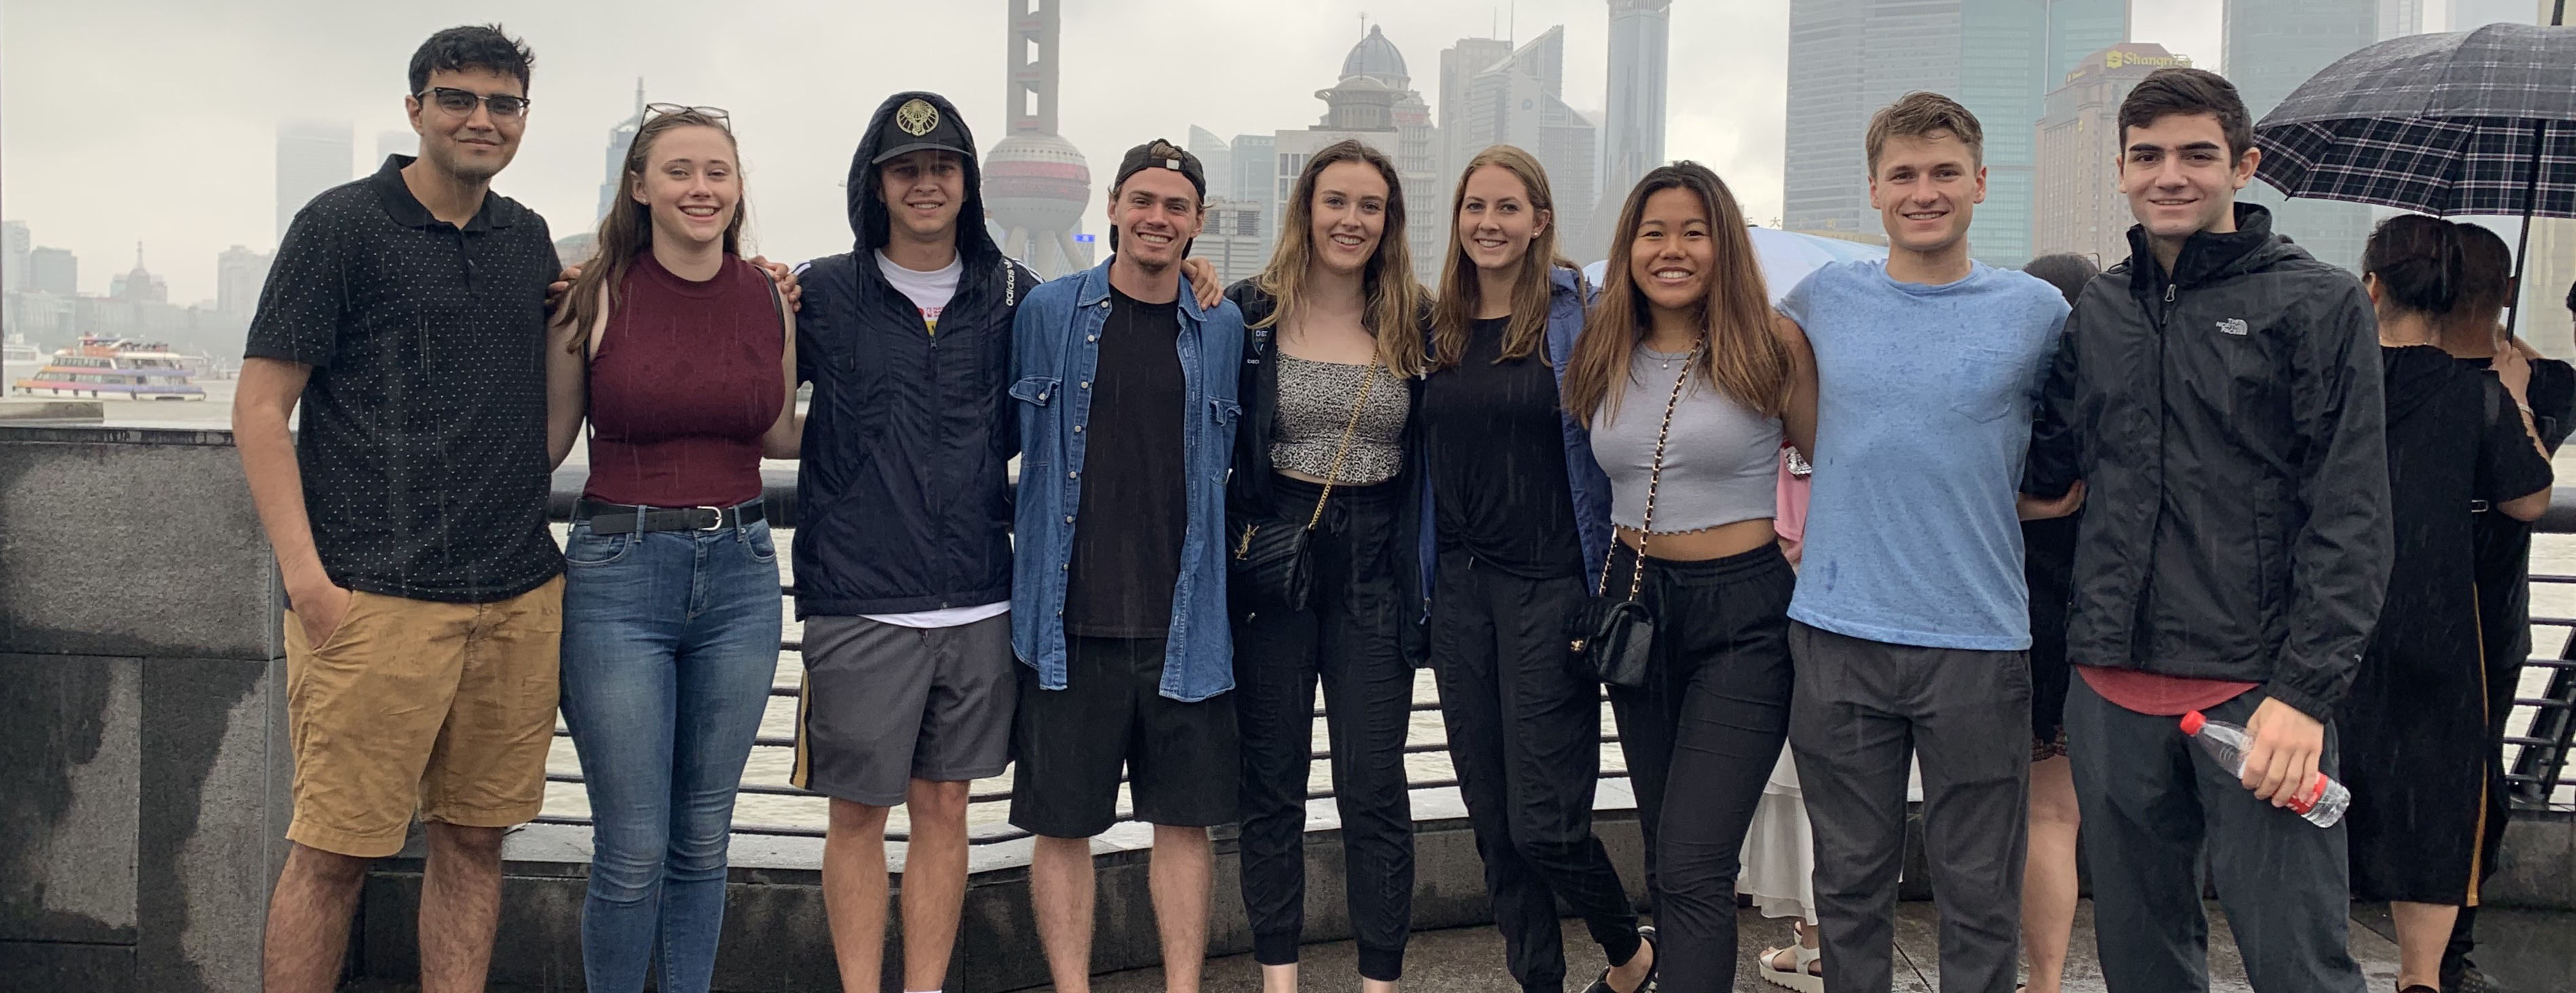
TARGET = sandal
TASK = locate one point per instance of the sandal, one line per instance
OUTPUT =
(1602, 983)
(1806, 974)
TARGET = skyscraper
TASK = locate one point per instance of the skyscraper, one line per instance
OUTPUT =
(1036, 184)
(55, 271)
(2272, 47)
(1998, 58)
(1256, 172)
(312, 156)
(1632, 126)
(1215, 156)
(1520, 100)
(612, 183)
(1233, 241)
(2399, 18)
(239, 276)
(15, 244)
(2077, 207)
(1459, 65)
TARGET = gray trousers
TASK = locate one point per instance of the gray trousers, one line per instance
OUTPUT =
(1862, 709)
(2151, 800)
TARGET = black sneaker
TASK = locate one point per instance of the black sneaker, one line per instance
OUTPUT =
(2470, 980)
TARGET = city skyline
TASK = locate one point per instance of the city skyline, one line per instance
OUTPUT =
(787, 223)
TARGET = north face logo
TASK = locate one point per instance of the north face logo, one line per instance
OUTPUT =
(2233, 325)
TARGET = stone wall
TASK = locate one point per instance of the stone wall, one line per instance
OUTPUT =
(143, 775)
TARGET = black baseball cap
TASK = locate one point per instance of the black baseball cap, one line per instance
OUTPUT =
(1160, 154)
(920, 124)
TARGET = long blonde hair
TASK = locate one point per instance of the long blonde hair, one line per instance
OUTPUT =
(1745, 358)
(1457, 304)
(627, 231)
(1394, 299)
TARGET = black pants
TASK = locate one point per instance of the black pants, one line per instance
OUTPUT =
(1349, 637)
(2153, 803)
(1701, 740)
(1525, 737)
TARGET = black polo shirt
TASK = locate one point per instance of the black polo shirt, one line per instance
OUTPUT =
(423, 429)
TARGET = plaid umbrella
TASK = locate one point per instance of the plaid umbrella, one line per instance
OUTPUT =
(2480, 122)
(2477, 122)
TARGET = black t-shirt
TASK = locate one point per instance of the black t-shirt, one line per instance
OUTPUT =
(1497, 446)
(422, 437)
(1134, 509)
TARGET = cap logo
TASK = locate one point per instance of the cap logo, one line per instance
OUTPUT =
(1172, 164)
(917, 117)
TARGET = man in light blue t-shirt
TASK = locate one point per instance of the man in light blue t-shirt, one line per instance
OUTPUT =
(1911, 615)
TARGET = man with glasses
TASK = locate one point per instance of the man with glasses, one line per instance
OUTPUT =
(405, 315)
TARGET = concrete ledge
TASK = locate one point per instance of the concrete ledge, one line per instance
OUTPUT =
(2536, 866)
(775, 937)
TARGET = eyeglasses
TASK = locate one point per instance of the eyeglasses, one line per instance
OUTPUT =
(653, 110)
(461, 102)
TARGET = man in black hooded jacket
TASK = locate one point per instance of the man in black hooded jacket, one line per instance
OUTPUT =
(903, 540)
(2220, 395)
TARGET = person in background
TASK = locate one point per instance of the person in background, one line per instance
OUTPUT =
(1685, 378)
(679, 355)
(1327, 386)
(1127, 408)
(424, 591)
(2220, 396)
(2048, 881)
(2417, 756)
(2472, 333)
(1516, 516)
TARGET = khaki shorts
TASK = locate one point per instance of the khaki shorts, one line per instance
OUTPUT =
(446, 709)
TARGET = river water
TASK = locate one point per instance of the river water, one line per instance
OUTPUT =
(771, 764)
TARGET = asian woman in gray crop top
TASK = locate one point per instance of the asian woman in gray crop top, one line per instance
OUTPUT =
(1685, 354)
(1328, 384)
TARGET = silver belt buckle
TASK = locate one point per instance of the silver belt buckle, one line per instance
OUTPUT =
(719, 522)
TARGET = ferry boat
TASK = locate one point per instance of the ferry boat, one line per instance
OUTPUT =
(106, 368)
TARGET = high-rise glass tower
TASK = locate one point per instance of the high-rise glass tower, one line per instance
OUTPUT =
(2272, 47)
(312, 156)
(1632, 126)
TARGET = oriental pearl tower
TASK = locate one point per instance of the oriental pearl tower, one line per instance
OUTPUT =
(1036, 184)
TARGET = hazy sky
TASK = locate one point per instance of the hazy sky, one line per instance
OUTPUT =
(155, 120)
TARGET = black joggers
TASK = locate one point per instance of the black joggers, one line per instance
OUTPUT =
(1701, 739)
(1525, 738)
(1349, 636)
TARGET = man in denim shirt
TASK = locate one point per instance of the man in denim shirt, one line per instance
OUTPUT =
(1118, 594)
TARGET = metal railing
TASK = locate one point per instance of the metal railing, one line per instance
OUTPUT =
(2535, 757)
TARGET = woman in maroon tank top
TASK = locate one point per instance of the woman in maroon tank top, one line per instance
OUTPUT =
(680, 356)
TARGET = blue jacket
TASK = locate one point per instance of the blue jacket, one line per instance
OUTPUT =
(1567, 301)
(1055, 349)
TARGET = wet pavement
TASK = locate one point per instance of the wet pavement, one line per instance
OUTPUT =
(1471, 959)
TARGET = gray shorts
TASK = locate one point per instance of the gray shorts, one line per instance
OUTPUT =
(884, 704)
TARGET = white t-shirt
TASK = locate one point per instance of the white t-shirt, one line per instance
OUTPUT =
(930, 293)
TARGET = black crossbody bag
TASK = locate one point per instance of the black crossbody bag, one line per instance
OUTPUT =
(1615, 639)
(1274, 561)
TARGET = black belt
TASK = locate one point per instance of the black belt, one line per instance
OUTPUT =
(620, 518)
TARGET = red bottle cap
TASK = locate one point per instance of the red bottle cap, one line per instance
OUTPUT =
(2192, 722)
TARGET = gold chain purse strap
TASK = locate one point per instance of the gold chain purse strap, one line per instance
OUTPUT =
(1654, 481)
(1368, 385)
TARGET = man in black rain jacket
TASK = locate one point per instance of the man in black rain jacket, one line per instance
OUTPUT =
(2220, 396)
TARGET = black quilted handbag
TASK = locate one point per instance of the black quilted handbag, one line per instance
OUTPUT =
(1615, 639)
(1273, 566)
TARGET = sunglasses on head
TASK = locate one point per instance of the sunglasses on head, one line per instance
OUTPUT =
(461, 102)
(717, 114)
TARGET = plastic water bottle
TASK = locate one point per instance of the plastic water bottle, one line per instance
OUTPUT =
(2322, 803)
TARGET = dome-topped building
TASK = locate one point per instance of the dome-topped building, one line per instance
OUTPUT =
(1375, 56)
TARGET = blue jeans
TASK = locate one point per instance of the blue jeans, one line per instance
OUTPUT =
(670, 639)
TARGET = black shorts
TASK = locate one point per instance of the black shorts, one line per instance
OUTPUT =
(1181, 758)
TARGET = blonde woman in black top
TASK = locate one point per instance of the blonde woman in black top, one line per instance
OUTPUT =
(1335, 325)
